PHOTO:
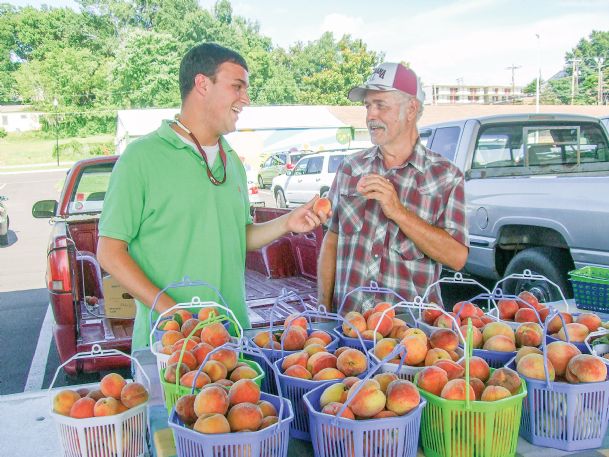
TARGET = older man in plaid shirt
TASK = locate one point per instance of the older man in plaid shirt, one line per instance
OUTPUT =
(398, 208)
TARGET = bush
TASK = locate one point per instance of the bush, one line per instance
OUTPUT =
(3, 133)
(74, 150)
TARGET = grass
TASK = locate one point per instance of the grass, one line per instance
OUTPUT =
(29, 148)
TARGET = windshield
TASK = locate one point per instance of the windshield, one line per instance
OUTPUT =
(90, 189)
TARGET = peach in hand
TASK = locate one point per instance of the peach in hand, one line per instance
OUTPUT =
(322, 206)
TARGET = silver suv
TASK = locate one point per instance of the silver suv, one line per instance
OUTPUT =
(313, 175)
(277, 164)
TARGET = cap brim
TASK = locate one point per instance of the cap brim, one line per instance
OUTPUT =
(358, 93)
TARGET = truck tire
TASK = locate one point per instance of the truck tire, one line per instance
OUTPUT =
(548, 262)
(280, 199)
(260, 182)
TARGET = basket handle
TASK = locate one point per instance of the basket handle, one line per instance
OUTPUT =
(591, 347)
(373, 288)
(456, 279)
(185, 282)
(250, 349)
(551, 315)
(498, 295)
(281, 302)
(527, 274)
(98, 352)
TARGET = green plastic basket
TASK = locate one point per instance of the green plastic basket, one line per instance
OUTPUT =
(174, 391)
(591, 288)
(451, 428)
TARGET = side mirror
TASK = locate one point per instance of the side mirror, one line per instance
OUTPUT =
(44, 209)
(289, 173)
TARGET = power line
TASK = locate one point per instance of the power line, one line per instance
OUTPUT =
(513, 68)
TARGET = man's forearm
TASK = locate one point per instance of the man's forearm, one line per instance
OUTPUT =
(259, 235)
(326, 270)
(114, 257)
(435, 242)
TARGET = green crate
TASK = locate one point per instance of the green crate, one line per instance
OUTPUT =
(591, 288)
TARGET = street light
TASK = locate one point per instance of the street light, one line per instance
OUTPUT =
(55, 103)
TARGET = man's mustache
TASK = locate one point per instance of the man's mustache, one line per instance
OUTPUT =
(376, 125)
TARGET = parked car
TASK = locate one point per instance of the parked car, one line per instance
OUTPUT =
(277, 164)
(312, 175)
(536, 189)
(4, 221)
(252, 189)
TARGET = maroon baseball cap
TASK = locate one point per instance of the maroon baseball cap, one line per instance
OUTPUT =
(390, 76)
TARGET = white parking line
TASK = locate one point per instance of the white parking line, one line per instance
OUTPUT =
(2, 186)
(38, 367)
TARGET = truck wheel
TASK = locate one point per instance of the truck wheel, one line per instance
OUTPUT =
(4, 240)
(280, 199)
(548, 262)
(260, 182)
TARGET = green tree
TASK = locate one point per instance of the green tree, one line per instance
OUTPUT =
(587, 51)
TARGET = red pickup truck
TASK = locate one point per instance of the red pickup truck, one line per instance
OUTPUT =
(73, 272)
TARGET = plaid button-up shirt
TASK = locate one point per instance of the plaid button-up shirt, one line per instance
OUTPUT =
(373, 248)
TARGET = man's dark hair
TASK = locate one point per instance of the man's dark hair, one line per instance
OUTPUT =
(205, 59)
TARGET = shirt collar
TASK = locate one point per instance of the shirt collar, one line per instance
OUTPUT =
(171, 136)
(416, 159)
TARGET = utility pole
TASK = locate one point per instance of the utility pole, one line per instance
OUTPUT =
(537, 87)
(574, 78)
(513, 68)
(599, 64)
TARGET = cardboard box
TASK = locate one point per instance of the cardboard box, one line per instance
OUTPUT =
(118, 304)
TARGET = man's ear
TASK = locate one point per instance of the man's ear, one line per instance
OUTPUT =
(413, 108)
(201, 83)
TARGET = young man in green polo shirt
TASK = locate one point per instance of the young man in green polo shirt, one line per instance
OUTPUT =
(177, 203)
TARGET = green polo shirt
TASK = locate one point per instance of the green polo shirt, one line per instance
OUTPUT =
(177, 223)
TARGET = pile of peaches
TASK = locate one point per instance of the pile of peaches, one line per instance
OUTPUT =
(366, 323)
(184, 321)
(322, 365)
(214, 410)
(114, 396)
(295, 336)
(382, 396)
(462, 311)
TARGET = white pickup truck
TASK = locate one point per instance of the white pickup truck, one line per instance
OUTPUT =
(536, 189)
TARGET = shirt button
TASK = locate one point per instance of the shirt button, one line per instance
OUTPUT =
(376, 256)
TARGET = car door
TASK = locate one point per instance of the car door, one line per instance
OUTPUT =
(311, 181)
(293, 187)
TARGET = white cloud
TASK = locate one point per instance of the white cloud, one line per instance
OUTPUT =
(340, 25)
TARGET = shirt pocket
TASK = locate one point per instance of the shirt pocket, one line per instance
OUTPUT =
(353, 211)
(405, 247)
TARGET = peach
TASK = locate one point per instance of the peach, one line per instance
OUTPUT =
(352, 362)
(494, 393)
(273, 345)
(188, 327)
(324, 336)
(314, 348)
(267, 408)
(215, 370)
(486, 319)
(444, 339)
(432, 379)
(112, 384)
(108, 406)
(434, 355)
(178, 345)
(174, 371)
(590, 320)
(319, 361)
(243, 373)
(133, 394)
(82, 408)
(187, 379)
(185, 408)
(268, 421)
(384, 347)
(317, 341)
(507, 309)
(416, 350)
(224, 382)
(497, 328)
(215, 334)
(529, 334)
(244, 416)
(455, 389)
(429, 316)
(556, 323)
(454, 355)
(261, 339)
(505, 377)
(478, 368)
(399, 333)
(476, 336)
(169, 325)
(415, 332)
(170, 337)
(524, 350)
(382, 306)
(297, 358)
(206, 313)
(384, 379)
(181, 316)
(340, 350)
(212, 424)
(298, 371)
(349, 381)
(335, 407)
(244, 391)
(356, 321)
(336, 392)
(227, 357)
(526, 315)
(380, 323)
(476, 322)
(296, 320)
(83, 391)
(211, 400)
(328, 374)
(560, 353)
(530, 299)
(577, 333)
(402, 397)
(322, 206)
(371, 335)
(453, 369)
(367, 313)
(443, 321)
(478, 387)
(531, 366)
(95, 394)
(200, 351)
(368, 401)
(384, 414)
(294, 338)
(465, 309)
(63, 401)
(500, 343)
(586, 368)
(188, 359)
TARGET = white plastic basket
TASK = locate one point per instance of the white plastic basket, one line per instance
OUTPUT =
(120, 435)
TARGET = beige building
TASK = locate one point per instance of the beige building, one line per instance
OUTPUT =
(459, 94)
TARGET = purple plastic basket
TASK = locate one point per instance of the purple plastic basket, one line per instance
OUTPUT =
(350, 342)
(495, 359)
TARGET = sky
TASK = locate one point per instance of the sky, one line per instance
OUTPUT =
(474, 41)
